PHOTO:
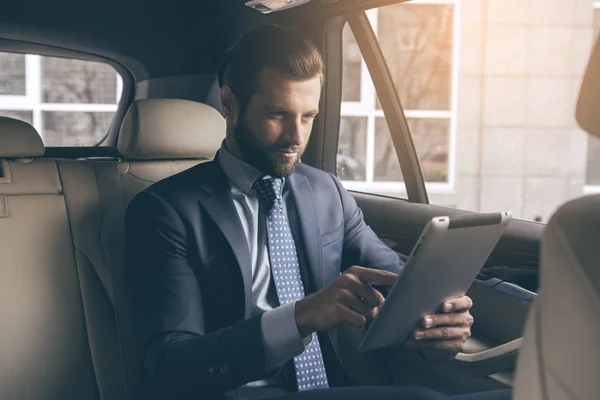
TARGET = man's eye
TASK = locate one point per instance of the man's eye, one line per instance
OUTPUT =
(310, 116)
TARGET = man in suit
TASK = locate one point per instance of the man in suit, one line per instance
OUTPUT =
(235, 265)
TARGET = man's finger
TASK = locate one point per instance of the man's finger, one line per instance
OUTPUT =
(370, 295)
(449, 319)
(360, 306)
(459, 304)
(372, 276)
(444, 333)
(351, 317)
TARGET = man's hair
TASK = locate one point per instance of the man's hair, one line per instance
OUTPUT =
(267, 46)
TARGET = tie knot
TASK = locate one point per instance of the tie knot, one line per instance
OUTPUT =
(269, 190)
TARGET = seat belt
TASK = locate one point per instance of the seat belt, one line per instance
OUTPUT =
(113, 238)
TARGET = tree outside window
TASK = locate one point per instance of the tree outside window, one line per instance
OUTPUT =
(417, 42)
(70, 102)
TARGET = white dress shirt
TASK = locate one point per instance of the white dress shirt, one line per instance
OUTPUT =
(280, 332)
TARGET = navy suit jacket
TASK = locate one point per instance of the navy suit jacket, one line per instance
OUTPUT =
(189, 271)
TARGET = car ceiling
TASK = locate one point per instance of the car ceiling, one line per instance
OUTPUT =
(154, 38)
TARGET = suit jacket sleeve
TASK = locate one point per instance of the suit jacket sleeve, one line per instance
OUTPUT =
(361, 245)
(182, 359)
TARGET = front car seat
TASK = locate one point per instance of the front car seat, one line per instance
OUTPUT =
(560, 357)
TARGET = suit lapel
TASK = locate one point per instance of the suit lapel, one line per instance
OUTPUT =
(215, 198)
(309, 226)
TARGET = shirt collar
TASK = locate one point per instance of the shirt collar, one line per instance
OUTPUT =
(240, 173)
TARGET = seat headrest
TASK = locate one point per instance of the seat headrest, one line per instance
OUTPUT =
(155, 129)
(588, 105)
(19, 139)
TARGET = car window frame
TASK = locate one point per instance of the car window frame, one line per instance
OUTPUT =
(127, 95)
(384, 86)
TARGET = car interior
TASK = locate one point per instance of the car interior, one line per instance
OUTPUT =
(67, 331)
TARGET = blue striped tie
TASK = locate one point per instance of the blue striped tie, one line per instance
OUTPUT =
(310, 369)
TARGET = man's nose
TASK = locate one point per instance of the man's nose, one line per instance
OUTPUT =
(295, 132)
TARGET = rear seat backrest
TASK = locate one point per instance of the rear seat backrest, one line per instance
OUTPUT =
(45, 350)
(60, 338)
(162, 137)
(158, 138)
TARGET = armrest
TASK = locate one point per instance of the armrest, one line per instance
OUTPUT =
(490, 361)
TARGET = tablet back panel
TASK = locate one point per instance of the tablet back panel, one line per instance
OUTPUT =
(441, 266)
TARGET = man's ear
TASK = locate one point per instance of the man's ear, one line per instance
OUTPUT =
(229, 103)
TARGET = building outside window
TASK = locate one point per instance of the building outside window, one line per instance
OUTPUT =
(417, 40)
(70, 102)
(489, 88)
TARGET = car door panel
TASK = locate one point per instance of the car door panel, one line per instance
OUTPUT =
(500, 307)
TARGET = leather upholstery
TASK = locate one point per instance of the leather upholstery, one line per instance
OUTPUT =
(560, 358)
(44, 347)
(136, 176)
(60, 336)
(30, 177)
(157, 129)
(19, 139)
(587, 113)
(88, 225)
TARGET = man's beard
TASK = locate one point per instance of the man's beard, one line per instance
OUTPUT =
(267, 159)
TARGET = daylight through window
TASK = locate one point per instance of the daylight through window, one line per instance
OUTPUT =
(70, 102)
(418, 42)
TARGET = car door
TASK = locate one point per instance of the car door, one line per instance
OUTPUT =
(409, 152)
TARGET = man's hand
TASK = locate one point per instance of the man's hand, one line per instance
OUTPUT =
(443, 335)
(349, 299)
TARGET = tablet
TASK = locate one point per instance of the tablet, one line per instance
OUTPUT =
(442, 265)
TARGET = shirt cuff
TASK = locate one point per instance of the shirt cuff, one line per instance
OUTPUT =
(281, 337)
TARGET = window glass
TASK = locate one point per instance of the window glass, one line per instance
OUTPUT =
(65, 128)
(489, 95)
(431, 138)
(70, 102)
(417, 42)
(26, 116)
(12, 74)
(352, 60)
(593, 164)
(387, 167)
(351, 158)
(77, 81)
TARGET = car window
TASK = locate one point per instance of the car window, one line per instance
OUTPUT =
(423, 75)
(70, 102)
(489, 94)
